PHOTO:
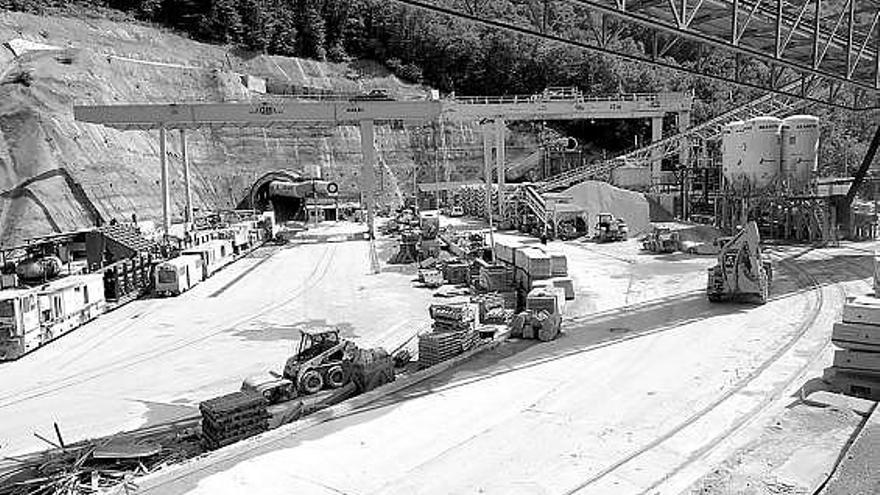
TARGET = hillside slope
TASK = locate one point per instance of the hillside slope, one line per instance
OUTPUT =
(58, 174)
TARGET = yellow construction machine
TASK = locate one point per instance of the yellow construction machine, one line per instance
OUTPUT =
(742, 272)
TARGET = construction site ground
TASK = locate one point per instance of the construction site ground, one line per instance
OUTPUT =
(154, 360)
(648, 390)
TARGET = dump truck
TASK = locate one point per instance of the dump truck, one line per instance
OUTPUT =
(609, 229)
(742, 272)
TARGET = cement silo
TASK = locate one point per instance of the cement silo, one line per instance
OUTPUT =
(732, 152)
(762, 154)
(799, 151)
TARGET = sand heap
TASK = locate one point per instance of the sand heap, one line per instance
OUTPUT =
(599, 197)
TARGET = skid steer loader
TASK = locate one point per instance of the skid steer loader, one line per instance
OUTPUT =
(318, 362)
(742, 271)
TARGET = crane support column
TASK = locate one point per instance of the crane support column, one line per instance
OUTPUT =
(500, 128)
(368, 171)
(166, 194)
(684, 156)
(186, 182)
(487, 167)
(657, 158)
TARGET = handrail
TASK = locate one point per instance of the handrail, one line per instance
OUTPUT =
(576, 98)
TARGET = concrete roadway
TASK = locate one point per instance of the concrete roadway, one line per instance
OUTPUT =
(153, 360)
(682, 378)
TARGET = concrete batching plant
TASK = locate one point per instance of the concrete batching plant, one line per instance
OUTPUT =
(766, 153)
(768, 166)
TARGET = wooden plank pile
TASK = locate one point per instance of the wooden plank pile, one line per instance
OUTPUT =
(453, 332)
(856, 367)
(233, 417)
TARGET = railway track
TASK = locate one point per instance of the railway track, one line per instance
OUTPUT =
(653, 448)
(15, 397)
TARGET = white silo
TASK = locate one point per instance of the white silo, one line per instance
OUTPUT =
(732, 153)
(800, 151)
(761, 162)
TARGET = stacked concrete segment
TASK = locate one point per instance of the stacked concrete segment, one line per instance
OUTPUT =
(856, 367)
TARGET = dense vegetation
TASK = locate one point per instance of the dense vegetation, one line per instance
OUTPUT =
(455, 56)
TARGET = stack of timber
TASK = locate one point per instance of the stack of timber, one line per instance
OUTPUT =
(453, 332)
(856, 368)
(233, 417)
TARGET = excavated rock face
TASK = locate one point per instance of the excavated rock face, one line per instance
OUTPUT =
(57, 174)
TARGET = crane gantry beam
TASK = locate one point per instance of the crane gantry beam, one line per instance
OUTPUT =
(363, 113)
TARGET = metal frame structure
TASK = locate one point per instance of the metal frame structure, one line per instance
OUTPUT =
(822, 45)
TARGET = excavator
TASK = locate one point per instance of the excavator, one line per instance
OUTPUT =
(742, 272)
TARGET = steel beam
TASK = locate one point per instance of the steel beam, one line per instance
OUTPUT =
(368, 172)
(184, 157)
(166, 193)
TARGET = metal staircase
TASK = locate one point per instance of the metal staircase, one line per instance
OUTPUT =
(533, 200)
(771, 104)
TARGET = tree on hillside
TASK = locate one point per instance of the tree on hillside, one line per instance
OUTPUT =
(222, 22)
(311, 29)
(257, 24)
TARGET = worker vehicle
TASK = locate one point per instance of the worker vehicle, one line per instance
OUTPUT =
(660, 240)
(30, 318)
(742, 271)
(610, 229)
(318, 361)
(178, 275)
(214, 255)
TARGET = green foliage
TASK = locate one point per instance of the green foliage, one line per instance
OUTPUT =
(455, 56)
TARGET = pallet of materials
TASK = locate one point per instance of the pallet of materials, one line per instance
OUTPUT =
(558, 264)
(534, 262)
(506, 249)
(440, 346)
(496, 278)
(456, 273)
(233, 417)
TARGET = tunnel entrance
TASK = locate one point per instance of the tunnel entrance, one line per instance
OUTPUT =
(288, 209)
